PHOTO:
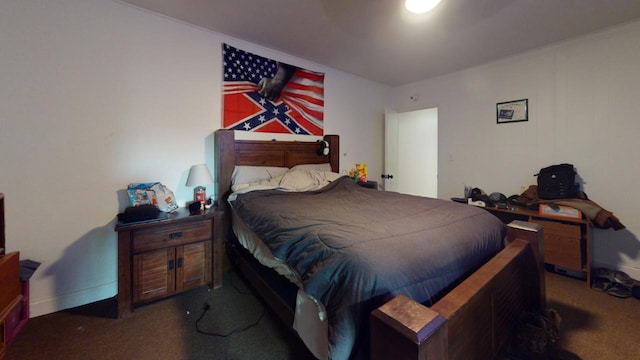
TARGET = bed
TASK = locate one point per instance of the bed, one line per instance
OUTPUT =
(355, 282)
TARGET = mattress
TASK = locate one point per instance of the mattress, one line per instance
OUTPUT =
(310, 319)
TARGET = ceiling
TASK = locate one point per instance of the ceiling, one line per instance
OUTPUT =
(380, 41)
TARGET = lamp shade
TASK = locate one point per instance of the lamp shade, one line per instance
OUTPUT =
(199, 175)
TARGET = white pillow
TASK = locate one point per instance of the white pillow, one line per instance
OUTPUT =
(306, 180)
(244, 174)
(318, 167)
(266, 184)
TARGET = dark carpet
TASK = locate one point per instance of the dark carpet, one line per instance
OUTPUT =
(165, 329)
(595, 326)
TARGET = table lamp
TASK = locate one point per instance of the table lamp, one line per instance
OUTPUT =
(199, 176)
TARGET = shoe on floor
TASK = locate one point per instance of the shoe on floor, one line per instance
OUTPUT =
(622, 278)
(619, 290)
(615, 276)
(601, 283)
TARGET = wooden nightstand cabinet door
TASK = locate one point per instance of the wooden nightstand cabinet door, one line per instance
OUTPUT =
(193, 267)
(154, 274)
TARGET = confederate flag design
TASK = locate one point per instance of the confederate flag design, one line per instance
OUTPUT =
(262, 95)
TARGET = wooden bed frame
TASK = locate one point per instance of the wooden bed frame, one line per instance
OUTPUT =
(473, 321)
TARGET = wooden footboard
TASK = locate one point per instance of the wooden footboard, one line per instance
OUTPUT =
(473, 321)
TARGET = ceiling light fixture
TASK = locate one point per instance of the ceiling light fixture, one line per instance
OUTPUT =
(420, 6)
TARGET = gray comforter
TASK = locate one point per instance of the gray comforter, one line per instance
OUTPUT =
(355, 248)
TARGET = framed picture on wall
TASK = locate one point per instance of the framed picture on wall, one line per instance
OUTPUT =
(512, 111)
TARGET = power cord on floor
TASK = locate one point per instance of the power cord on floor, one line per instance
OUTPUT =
(206, 308)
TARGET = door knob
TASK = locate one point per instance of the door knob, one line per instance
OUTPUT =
(386, 176)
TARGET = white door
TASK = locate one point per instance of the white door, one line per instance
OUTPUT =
(391, 156)
(411, 152)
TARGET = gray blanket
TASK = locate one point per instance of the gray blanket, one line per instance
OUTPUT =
(355, 248)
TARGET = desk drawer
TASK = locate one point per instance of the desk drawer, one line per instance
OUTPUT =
(171, 235)
(562, 244)
(10, 287)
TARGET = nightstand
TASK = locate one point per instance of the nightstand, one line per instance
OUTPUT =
(369, 184)
(567, 242)
(163, 257)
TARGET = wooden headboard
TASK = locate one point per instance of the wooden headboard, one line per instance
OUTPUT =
(230, 152)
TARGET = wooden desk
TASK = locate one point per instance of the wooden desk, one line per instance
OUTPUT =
(566, 242)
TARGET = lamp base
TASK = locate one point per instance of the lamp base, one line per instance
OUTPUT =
(200, 195)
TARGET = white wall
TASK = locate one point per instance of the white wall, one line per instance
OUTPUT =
(583, 109)
(97, 94)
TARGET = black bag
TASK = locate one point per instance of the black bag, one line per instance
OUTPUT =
(556, 182)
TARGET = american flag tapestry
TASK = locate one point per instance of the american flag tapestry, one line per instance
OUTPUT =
(263, 95)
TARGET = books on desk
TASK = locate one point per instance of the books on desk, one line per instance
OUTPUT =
(559, 211)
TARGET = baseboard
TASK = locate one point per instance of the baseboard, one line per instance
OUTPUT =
(68, 301)
(634, 273)
(567, 272)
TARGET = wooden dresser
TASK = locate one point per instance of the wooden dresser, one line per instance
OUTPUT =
(2, 231)
(566, 241)
(11, 300)
(163, 257)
